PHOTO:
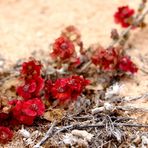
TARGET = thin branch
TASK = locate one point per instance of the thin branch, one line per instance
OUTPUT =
(85, 66)
(132, 108)
(48, 134)
(79, 126)
(133, 98)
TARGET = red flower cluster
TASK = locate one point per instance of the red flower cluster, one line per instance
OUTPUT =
(63, 48)
(124, 16)
(106, 59)
(31, 69)
(33, 82)
(66, 89)
(5, 134)
(112, 59)
(125, 64)
(31, 88)
(26, 111)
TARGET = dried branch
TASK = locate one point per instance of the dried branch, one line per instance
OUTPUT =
(79, 126)
(132, 108)
(48, 134)
(133, 98)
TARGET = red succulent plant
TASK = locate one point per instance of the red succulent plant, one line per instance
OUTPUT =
(77, 84)
(105, 59)
(125, 64)
(5, 134)
(26, 111)
(124, 16)
(31, 88)
(31, 69)
(68, 88)
(63, 48)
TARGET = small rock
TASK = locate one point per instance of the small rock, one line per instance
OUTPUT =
(83, 134)
(137, 140)
(24, 133)
(144, 141)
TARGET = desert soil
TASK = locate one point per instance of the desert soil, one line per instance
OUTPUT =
(27, 26)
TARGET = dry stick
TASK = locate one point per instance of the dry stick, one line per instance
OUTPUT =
(78, 126)
(48, 134)
(123, 33)
(133, 98)
(132, 108)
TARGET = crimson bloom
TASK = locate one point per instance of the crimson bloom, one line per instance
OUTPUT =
(124, 16)
(77, 84)
(31, 88)
(31, 69)
(63, 48)
(26, 111)
(5, 134)
(61, 89)
(105, 59)
(126, 65)
(68, 88)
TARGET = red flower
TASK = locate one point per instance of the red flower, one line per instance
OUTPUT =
(124, 16)
(125, 64)
(26, 111)
(77, 84)
(5, 134)
(63, 48)
(106, 59)
(31, 69)
(61, 89)
(34, 107)
(68, 88)
(31, 88)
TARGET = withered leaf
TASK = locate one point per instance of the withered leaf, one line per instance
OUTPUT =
(54, 114)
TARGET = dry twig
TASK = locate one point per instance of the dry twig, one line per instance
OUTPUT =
(48, 134)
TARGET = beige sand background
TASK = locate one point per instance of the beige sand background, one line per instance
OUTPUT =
(27, 25)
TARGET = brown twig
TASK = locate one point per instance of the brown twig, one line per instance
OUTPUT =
(132, 108)
(48, 134)
(133, 98)
(79, 126)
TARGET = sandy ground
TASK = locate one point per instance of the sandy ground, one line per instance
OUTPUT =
(31, 25)
(28, 25)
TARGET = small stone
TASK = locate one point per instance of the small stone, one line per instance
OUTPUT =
(137, 140)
